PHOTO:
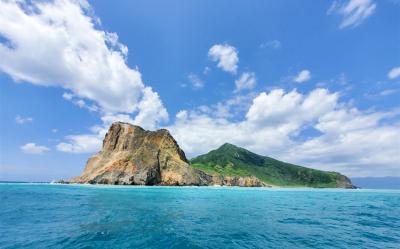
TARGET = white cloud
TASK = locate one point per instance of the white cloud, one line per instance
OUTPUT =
(268, 123)
(394, 73)
(353, 142)
(303, 76)
(32, 148)
(226, 56)
(84, 143)
(246, 81)
(354, 12)
(54, 130)
(388, 92)
(67, 96)
(348, 140)
(291, 109)
(275, 44)
(151, 112)
(80, 102)
(23, 120)
(195, 81)
(59, 44)
(91, 141)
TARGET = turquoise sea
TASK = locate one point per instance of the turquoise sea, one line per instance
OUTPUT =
(85, 216)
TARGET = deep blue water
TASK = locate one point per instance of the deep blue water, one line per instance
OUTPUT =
(73, 216)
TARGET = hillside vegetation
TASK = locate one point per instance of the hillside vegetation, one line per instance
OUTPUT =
(230, 160)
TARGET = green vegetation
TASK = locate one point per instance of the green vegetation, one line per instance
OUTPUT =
(230, 160)
(128, 158)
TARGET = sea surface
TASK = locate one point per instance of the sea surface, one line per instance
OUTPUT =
(86, 216)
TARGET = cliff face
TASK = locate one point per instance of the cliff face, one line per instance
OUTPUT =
(132, 155)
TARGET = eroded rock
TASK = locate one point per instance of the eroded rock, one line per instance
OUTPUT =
(134, 156)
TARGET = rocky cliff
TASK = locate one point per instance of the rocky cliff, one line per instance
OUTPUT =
(134, 156)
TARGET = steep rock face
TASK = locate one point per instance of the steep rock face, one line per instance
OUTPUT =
(343, 181)
(132, 155)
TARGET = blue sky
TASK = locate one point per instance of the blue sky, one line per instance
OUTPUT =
(309, 82)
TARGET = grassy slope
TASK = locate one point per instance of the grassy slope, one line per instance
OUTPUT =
(230, 160)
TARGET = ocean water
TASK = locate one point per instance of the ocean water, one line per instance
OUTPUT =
(77, 216)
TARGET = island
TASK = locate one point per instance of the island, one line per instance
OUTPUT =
(132, 155)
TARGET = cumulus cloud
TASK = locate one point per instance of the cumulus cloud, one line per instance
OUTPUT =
(267, 124)
(246, 81)
(353, 142)
(277, 123)
(23, 120)
(195, 81)
(303, 76)
(83, 143)
(151, 112)
(58, 43)
(92, 141)
(353, 12)
(68, 96)
(226, 56)
(33, 148)
(80, 102)
(394, 73)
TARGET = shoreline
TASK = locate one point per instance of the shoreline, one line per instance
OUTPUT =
(274, 188)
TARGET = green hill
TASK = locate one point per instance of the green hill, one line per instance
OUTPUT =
(230, 160)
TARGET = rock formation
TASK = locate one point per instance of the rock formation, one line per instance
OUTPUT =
(134, 156)
(241, 181)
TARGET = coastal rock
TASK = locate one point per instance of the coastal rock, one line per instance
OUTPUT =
(131, 155)
(343, 181)
(134, 156)
(241, 181)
